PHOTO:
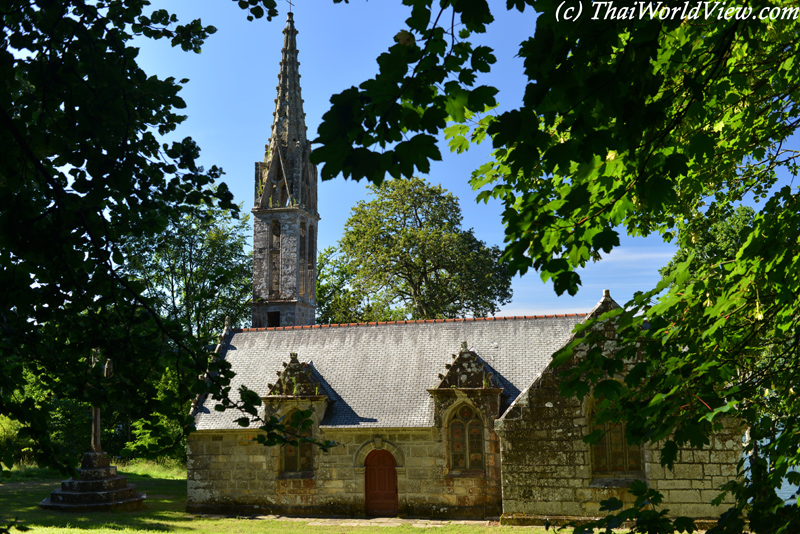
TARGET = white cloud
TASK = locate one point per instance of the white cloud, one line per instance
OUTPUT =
(638, 255)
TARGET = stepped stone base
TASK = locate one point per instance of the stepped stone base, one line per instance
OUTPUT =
(98, 488)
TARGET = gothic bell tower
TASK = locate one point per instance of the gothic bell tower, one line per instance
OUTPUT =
(285, 212)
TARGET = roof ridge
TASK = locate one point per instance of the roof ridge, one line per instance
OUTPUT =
(415, 321)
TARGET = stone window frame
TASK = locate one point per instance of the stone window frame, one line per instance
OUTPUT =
(303, 255)
(308, 269)
(612, 477)
(301, 446)
(274, 237)
(277, 183)
(451, 417)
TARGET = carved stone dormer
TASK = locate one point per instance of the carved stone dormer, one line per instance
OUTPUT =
(299, 386)
(467, 377)
(468, 371)
(296, 380)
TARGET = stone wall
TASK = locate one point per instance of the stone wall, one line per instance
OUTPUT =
(694, 482)
(547, 468)
(229, 473)
(292, 313)
(295, 309)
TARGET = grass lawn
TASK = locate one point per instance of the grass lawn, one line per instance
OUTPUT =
(164, 511)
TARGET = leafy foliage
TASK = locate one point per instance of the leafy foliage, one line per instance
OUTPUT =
(339, 300)
(84, 170)
(197, 271)
(648, 124)
(387, 124)
(405, 255)
(642, 516)
(715, 244)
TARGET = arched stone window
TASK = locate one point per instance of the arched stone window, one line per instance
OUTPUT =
(466, 439)
(308, 188)
(279, 196)
(302, 259)
(297, 459)
(613, 456)
(312, 256)
(275, 260)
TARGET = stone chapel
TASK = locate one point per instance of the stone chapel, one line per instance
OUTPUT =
(456, 418)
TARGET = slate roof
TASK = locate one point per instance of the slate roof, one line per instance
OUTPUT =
(378, 374)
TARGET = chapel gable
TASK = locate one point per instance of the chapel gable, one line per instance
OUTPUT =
(299, 387)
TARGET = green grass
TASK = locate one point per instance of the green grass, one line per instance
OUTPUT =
(163, 469)
(165, 486)
(27, 473)
(166, 469)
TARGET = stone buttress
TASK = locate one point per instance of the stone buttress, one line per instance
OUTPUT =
(285, 211)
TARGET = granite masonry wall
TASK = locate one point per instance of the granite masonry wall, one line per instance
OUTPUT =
(547, 468)
(230, 473)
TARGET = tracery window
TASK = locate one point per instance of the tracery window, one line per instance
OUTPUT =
(466, 439)
(297, 458)
(613, 455)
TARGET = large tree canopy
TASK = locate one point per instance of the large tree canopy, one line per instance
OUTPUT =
(340, 301)
(636, 122)
(641, 123)
(405, 255)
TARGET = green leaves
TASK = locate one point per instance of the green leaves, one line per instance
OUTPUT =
(258, 8)
(83, 175)
(456, 104)
(427, 76)
(643, 514)
(720, 351)
(196, 272)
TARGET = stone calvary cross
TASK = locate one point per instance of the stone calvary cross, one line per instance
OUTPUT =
(98, 487)
(108, 372)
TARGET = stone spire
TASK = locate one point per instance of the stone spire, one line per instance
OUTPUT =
(285, 210)
(287, 177)
(289, 124)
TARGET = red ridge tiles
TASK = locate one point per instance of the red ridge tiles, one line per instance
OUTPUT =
(417, 321)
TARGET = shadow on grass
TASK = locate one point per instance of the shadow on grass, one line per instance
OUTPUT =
(164, 508)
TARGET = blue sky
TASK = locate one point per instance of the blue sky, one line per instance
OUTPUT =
(230, 100)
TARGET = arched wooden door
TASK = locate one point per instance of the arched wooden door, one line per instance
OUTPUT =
(381, 484)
